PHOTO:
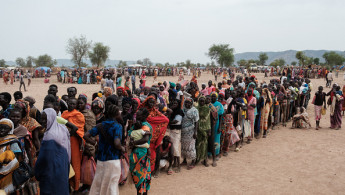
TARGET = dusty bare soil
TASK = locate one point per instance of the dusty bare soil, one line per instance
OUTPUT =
(288, 161)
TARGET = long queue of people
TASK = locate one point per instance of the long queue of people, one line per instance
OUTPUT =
(74, 146)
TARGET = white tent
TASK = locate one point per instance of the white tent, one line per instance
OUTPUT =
(135, 65)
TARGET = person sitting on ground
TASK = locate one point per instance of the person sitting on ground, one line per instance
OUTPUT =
(301, 119)
(164, 154)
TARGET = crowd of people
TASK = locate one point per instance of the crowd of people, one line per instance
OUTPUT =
(134, 133)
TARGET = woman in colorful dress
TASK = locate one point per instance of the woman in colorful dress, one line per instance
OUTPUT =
(220, 112)
(251, 99)
(204, 131)
(77, 119)
(265, 111)
(139, 160)
(336, 107)
(97, 107)
(29, 123)
(10, 155)
(188, 132)
(159, 124)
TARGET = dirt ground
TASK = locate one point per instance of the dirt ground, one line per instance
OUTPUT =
(288, 161)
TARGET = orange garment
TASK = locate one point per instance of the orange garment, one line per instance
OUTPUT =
(76, 118)
(76, 155)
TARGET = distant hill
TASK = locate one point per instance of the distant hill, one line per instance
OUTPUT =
(289, 55)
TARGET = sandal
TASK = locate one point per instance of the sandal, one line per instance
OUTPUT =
(170, 172)
(190, 167)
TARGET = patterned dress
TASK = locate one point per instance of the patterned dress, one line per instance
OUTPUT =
(139, 164)
(187, 141)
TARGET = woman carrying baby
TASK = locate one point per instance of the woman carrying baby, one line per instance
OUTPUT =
(139, 160)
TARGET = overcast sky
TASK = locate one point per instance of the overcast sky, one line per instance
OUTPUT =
(170, 30)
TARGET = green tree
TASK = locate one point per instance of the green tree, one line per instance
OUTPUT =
(78, 48)
(332, 58)
(301, 57)
(99, 54)
(147, 62)
(293, 63)
(188, 64)
(122, 64)
(29, 61)
(242, 62)
(281, 62)
(222, 53)
(20, 62)
(166, 64)
(317, 61)
(263, 58)
(278, 62)
(139, 62)
(45, 60)
(159, 65)
(2, 63)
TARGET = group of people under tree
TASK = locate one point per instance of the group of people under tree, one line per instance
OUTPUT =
(85, 143)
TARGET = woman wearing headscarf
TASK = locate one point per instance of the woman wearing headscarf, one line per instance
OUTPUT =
(23, 136)
(251, 111)
(135, 107)
(265, 111)
(29, 123)
(87, 172)
(159, 124)
(220, 112)
(175, 126)
(77, 119)
(10, 155)
(336, 107)
(204, 130)
(189, 132)
(107, 92)
(52, 166)
(97, 107)
(139, 159)
(34, 112)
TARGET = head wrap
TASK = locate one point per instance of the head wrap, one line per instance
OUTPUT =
(213, 92)
(98, 102)
(221, 92)
(30, 99)
(172, 84)
(83, 96)
(57, 132)
(120, 88)
(188, 99)
(138, 101)
(144, 104)
(107, 91)
(202, 97)
(9, 123)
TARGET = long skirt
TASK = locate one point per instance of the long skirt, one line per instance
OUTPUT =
(251, 118)
(175, 138)
(336, 118)
(106, 178)
(140, 170)
(257, 123)
(201, 145)
(317, 110)
(188, 143)
(76, 156)
(264, 117)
